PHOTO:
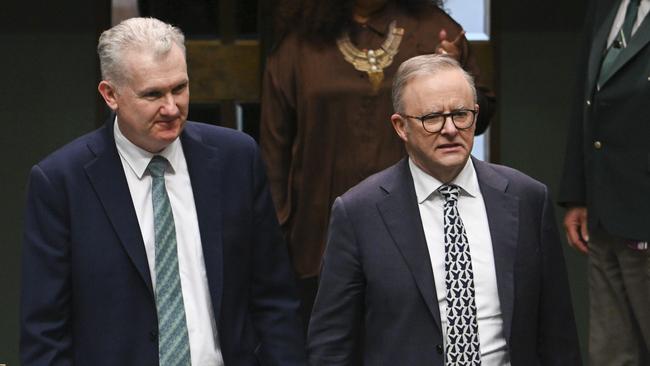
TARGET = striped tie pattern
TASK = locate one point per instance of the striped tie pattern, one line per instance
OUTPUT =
(462, 347)
(173, 340)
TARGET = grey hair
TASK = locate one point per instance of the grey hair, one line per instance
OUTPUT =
(430, 64)
(139, 34)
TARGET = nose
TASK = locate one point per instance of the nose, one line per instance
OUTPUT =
(169, 107)
(448, 127)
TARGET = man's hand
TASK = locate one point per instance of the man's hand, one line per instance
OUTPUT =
(575, 224)
(453, 48)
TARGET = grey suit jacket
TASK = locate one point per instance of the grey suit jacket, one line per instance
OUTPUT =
(376, 303)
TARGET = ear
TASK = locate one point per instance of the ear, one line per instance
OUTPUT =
(399, 124)
(109, 93)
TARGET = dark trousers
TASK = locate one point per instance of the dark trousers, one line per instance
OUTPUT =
(307, 288)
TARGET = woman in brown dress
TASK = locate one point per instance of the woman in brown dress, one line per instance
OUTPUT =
(326, 106)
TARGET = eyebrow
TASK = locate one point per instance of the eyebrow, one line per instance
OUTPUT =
(159, 90)
(457, 108)
(148, 91)
(183, 84)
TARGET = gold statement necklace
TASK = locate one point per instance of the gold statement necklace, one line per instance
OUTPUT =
(373, 62)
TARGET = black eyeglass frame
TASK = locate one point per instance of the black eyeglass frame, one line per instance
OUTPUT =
(451, 114)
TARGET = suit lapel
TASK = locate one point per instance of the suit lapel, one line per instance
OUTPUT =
(503, 219)
(402, 218)
(204, 169)
(106, 175)
(400, 213)
(599, 45)
(639, 40)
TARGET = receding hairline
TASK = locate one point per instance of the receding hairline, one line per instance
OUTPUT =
(133, 59)
(426, 65)
(145, 36)
(419, 76)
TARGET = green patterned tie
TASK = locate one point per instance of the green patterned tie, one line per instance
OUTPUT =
(173, 341)
(620, 42)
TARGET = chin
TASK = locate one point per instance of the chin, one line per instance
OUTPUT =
(454, 162)
(453, 158)
(164, 138)
(167, 139)
(169, 130)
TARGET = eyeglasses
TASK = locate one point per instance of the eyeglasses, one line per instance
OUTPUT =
(434, 122)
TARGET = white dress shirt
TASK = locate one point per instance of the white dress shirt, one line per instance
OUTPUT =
(201, 326)
(644, 7)
(472, 211)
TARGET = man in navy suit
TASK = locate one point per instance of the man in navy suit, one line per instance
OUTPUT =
(442, 259)
(153, 240)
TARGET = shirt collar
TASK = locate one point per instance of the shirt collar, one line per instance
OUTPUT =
(138, 159)
(426, 186)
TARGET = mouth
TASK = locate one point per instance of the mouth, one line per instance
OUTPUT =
(451, 147)
(167, 122)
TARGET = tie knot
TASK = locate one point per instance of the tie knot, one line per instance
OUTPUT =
(449, 192)
(157, 166)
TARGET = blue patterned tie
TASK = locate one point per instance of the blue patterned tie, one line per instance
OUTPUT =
(173, 341)
(462, 347)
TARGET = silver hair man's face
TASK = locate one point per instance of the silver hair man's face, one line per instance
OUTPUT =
(442, 154)
(151, 96)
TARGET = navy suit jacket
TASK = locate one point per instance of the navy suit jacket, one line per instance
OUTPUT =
(377, 294)
(87, 296)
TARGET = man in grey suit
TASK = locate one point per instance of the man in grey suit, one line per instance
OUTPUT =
(442, 259)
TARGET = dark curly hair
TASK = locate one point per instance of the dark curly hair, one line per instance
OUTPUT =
(325, 20)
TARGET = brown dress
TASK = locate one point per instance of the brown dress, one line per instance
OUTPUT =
(323, 129)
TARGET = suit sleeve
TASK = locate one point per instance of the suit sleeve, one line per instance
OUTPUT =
(45, 330)
(557, 338)
(573, 183)
(274, 300)
(337, 319)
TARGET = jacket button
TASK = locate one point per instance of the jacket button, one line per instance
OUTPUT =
(439, 348)
(598, 144)
(153, 335)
